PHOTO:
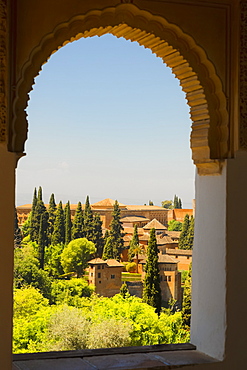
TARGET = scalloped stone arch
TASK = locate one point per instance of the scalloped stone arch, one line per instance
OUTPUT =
(188, 61)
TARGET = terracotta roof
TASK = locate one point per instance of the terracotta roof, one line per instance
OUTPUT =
(147, 208)
(113, 263)
(130, 230)
(109, 263)
(187, 252)
(144, 237)
(154, 224)
(108, 203)
(164, 258)
(127, 238)
(134, 219)
(97, 261)
(164, 240)
(173, 234)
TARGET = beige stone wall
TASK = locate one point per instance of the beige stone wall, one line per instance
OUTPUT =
(107, 280)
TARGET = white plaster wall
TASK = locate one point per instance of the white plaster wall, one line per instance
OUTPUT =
(208, 270)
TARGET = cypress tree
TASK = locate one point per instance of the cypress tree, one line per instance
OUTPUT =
(40, 193)
(190, 237)
(98, 239)
(77, 225)
(134, 245)
(88, 221)
(151, 286)
(180, 203)
(17, 232)
(183, 239)
(186, 305)
(34, 203)
(108, 249)
(52, 215)
(175, 202)
(124, 291)
(116, 232)
(43, 238)
(58, 235)
(68, 224)
(107, 234)
(36, 216)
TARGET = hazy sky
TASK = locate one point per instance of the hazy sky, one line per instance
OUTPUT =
(107, 119)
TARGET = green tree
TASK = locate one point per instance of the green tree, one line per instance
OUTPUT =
(109, 333)
(58, 235)
(40, 194)
(179, 203)
(52, 215)
(186, 305)
(53, 260)
(116, 233)
(190, 237)
(27, 301)
(34, 203)
(151, 286)
(167, 204)
(124, 291)
(25, 228)
(68, 223)
(108, 249)
(98, 239)
(69, 328)
(27, 271)
(37, 212)
(176, 201)
(134, 248)
(76, 255)
(43, 238)
(70, 291)
(174, 225)
(17, 232)
(183, 239)
(88, 221)
(77, 226)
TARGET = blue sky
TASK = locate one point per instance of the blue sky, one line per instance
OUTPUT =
(107, 119)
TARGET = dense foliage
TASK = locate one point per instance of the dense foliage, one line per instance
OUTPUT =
(93, 322)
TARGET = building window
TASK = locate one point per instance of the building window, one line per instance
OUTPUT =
(103, 267)
(169, 278)
(112, 276)
(98, 267)
(91, 273)
(99, 275)
(165, 278)
(160, 278)
(100, 282)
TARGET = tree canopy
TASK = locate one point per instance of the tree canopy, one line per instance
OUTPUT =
(76, 254)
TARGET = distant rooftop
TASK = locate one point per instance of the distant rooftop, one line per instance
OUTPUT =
(154, 224)
(107, 203)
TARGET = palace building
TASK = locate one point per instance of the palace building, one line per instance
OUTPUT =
(130, 214)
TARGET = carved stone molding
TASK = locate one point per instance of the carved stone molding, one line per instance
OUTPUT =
(243, 76)
(188, 61)
(3, 69)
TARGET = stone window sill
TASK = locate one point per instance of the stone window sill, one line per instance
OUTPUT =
(163, 356)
